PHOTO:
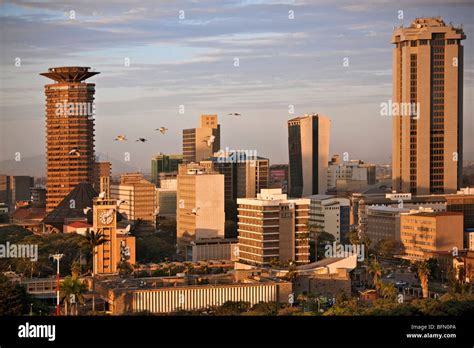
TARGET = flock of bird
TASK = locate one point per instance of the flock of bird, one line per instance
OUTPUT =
(209, 141)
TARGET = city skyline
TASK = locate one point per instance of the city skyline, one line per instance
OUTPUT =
(192, 63)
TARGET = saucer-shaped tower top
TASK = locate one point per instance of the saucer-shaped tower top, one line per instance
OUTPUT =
(69, 74)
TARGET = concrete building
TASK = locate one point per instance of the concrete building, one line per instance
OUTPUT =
(383, 223)
(200, 205)
(462, 201)
(213, 249)
(279, 177)
(428, 232)
(172, 294)
(308, 145)
(38, 196)
(15, 188)
(101, 170)
(427, 75)
(164, 164)
(69, 131)
(138, 200)
(273, 227)
(201, 143)
(350, 175)
(330, 214)
(244, 177)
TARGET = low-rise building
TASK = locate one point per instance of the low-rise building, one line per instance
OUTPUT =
(172, 294)
(330, 214)
(426, 232)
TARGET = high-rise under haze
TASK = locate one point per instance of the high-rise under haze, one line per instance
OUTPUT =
(308, 145)
(69, 131)
(427, 138)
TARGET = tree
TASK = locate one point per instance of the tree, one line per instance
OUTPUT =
(14, 300)
(388, 291)
(389, 247)
(423, 270)
(124, 268)
(72, 290)
(94, 239)
(375, 270)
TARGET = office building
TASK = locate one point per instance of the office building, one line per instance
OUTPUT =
(201, 143)
(350, 175)
(138, 199)
(15, 188)
(70, 131)
(329, 214)
(273, 227)
(308, 144)
(427, 232)
(428, 103)
(200, 205)
(383, 223)
(279, 177)
(164, 164)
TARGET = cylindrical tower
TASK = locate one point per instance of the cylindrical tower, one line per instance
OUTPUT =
(69, 131)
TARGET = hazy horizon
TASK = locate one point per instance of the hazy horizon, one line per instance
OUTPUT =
(190, 61)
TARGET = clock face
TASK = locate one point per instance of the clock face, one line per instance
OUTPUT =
(106, 216)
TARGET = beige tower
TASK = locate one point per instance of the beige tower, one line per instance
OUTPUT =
(201, 143)
(104, 221)
(200, 204)
(427, 73)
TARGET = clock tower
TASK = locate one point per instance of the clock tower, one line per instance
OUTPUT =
(105, 222)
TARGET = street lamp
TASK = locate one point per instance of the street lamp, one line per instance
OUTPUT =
(57, 257)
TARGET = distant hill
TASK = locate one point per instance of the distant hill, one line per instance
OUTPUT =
(36, 166)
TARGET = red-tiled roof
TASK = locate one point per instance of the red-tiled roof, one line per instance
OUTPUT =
(79, 224)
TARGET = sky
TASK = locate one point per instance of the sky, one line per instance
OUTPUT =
(185, 53)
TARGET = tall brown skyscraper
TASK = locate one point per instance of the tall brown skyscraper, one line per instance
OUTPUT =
(69, 131)
(427, 73)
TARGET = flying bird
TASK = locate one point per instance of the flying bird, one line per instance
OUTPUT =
(210, 140)
(194, 211)
(141, 139)
(121, 138)
(234, 114)
(127, 229)
(109, 212)
(120, 202)
(162, 130)
(102, 195)
(75, 152)
(86, 210)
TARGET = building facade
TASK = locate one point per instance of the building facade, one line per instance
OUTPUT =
(139, 201)
(427, 135)
(427, 232)
(350, 175)
(330, 214)
(273, 227)
(201, 143)
(69, 131)
(167, 164)
(200, 205)
(308, 144)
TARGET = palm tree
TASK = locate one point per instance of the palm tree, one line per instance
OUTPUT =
(376, 271)
(424, 272)
(388, 290)
(72, 287)
(94, 239)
